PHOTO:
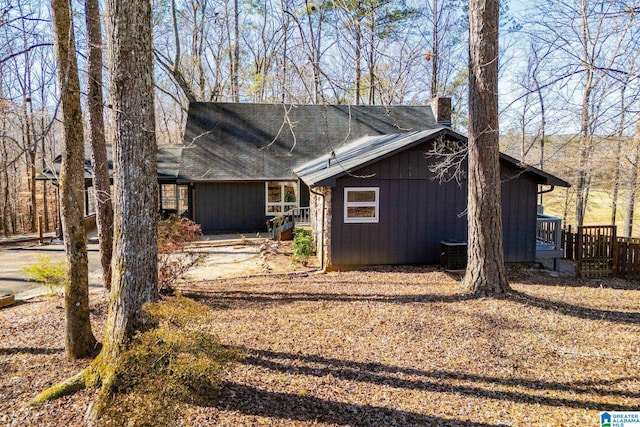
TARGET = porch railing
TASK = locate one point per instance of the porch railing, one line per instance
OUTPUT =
(549, 232)
(301, 215)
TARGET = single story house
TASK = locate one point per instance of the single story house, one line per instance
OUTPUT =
(359, 175)
(361, 172)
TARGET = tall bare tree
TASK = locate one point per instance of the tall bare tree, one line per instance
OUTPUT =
(135, 277)
(589, 41)
(618, 151)
(6, 223)
(173, 66)
(101, 184)
(234, 54)
(135, 274)
(485, 273)
(632, 183)
(80, 341)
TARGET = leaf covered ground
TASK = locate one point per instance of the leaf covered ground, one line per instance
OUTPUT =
(389, 347)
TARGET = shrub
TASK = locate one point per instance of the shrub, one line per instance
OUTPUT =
(173, 363)
(48, 273)
(302, 245)
(175, 232)
(173, 260)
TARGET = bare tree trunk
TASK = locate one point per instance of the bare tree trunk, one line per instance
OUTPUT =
(27, 136)
(136, 181)
(617, 172)
(33, 188)
(174, 68)
(435, 54)
(101, 184)
(235, 54)
(357, 61)
(315, 44)
(632, 185)
(4, 168)
(80, 341)
(46, 185)
(285, 53)
(485, 273)
(199, 10)
(15, 217)
(632, 188)
(543, 122)
(582, 195)
(586, 140)
(135, 256)
(371, 64)
(45, 190)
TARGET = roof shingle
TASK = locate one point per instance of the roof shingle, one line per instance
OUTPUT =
(248, 142)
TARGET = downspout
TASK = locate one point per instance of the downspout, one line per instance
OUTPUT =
(549, 190)
(323, 267)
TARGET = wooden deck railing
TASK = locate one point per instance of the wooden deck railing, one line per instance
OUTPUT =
(549, 232)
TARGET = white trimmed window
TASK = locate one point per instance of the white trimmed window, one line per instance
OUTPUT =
(361, 204)
(282, 196)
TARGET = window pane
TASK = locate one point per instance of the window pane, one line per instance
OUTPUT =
(274, 209)
(168, 196)
(361, 196)
(183, 192)
(289, 192)
(183, 199)
(361, 212)
(274, 192)
(287, 208)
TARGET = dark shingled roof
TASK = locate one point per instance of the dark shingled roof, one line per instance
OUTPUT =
(246, 142)
(324, 170)
(168, 160)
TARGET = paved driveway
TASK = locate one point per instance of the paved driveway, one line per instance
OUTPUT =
(14, 259)
(224, 257)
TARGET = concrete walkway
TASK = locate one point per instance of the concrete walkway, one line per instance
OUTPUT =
(224, 255)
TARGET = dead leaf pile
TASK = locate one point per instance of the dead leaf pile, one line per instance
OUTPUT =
(387, 347)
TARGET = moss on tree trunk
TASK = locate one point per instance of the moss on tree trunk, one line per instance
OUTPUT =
(80, 341)
(135, 258)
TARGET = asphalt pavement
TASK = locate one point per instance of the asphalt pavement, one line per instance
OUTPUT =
(14, 258)
(224, 256)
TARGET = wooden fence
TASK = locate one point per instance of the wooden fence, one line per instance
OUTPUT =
(569, 242)
(598, 252)
(628, 256)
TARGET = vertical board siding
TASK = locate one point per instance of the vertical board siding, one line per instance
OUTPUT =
(519, 201)
(417, 212)
(405, 234)
(230, 206)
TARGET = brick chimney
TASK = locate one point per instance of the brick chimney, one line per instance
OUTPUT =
(441, 108)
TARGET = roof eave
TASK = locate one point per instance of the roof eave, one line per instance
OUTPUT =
(330, 180)
(545, 178)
